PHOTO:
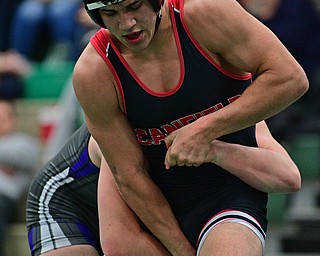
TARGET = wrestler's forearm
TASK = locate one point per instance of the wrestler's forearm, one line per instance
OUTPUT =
(269, 94)
(260, 168)
(121, 232)
(147, 201)
(129, 169)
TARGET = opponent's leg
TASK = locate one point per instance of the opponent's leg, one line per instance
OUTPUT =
(74, 250)
(120, 230)
(231, 239)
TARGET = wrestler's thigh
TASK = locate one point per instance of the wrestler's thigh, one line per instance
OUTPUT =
(231, 239)
(73, 250)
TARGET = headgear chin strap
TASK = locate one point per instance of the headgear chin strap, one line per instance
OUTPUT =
(159, 16)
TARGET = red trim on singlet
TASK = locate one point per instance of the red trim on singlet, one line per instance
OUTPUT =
(100, 43)
(141, 84)
(178, 4)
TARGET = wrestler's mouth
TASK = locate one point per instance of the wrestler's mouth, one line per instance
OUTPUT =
(133, 37)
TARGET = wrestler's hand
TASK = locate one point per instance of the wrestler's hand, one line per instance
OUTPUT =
(187, 146)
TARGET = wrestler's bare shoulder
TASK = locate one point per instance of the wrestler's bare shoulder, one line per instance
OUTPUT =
(92, 78)
(196, 13)
(90, 65)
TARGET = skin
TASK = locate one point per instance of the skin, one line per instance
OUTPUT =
(259, 8)
(268, 168)
(233, 48)
(119, 221)
(109, 124)
(124, 234)
(237, 42)
(121, 231)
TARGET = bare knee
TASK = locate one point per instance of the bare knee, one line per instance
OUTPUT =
(114, 247)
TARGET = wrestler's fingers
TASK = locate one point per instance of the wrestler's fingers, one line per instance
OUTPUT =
(169, 159)
(188, 164)
(168, 140)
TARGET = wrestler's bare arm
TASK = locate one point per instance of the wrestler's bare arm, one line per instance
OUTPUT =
(239, 43)
(268, 167)
(110, 127)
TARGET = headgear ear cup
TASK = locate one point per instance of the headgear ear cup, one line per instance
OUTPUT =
(156, 4)
(95, 15)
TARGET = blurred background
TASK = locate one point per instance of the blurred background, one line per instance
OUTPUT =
(40, 41)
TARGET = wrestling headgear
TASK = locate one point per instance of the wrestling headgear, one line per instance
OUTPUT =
(92, 7)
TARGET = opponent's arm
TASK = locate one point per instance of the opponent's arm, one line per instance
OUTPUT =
(268, 167)
(238, 43)
(96, 92)
(120, 228)
(121, 232)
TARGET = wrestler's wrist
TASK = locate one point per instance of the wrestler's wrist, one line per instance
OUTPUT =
(216, 151)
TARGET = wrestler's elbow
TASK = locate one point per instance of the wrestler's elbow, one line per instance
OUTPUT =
(292, 181)
(299, 82)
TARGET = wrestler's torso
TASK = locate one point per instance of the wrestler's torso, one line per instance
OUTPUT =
(156, 108)
(200, 87)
